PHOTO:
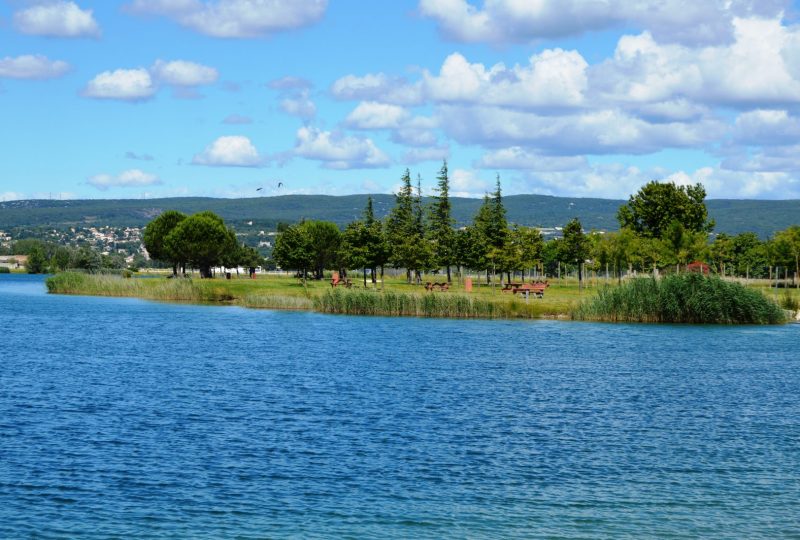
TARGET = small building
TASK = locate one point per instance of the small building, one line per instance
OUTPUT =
(698, 267)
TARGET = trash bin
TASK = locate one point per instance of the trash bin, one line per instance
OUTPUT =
(227, 275)
(468, 284)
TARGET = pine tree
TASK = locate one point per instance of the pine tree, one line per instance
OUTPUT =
(441, 222)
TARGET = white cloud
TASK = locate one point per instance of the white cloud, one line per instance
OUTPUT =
(11, 196)
(377, 87)
(122, 84)
(434, 153)
(595, 132)
(32, 67)
(554, 78)
(766, 127)
(129, 178)
(519, 21)
(183, 73)
(299, 104)
(56, 19)
(465, 183)
(519, 158)
(236, 18)
(338, 151)
(229, 151)
(372, 115)
(752, 71)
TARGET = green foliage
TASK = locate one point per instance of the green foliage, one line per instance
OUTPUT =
(155, 238)
(681, 298)
(37, 259)
(390, 303)
(405, 231)
(440, 220)
(574, 247)
(293, 250)
(87, 259)
(656, 206)
(201, 240)
(4, 270)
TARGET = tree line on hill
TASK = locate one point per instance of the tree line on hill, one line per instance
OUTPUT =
(662, 227)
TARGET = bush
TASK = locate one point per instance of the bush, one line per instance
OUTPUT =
(4, 270)
(681, 298)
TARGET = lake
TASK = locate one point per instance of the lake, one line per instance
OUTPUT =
(126, 418)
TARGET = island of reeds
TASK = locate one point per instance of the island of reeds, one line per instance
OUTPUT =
(384, 263)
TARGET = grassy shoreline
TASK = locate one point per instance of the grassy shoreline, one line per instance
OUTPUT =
(563, 300)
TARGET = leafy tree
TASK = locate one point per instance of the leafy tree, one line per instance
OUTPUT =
(61, 258)
(575, 247)
(37, 259)
(155, 234)
(87, 259)
(363, 244)
(722, 252)
(652, 210)
(293, 250)
(791, 240)
(441, 222)
(750, 255)
(324, 238)
(201, 240)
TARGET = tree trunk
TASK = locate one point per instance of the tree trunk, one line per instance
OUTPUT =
(365, 278)
(373, 275)
(448, 274)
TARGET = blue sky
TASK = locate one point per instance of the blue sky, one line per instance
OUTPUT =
(589, 98)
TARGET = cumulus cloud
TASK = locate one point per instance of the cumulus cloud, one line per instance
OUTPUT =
(183, 73)
(235, 18)
(467, 183)
(554, 78)
(593, 132)
(514, 21)
(122, 84)
(519, 158)
(32, 67)
(418, 155)
(372, 115)
(338, 151)
(299, 104)
(140, 84)
(229, 151)
(377, 87)
(129, 178)
(56, 19)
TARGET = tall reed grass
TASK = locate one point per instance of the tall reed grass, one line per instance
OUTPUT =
(178, 290)
(390, 303)
(681, 298)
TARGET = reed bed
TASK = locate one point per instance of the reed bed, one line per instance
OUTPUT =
(682, 298)
(175, 290)
(274, 301)
(398, 304)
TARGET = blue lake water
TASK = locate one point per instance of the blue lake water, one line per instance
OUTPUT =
(123, 418)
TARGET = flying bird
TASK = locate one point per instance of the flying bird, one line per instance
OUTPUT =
(259, 189)
(280, 184)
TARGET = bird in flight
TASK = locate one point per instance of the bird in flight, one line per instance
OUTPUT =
(280, 184)
(259, 189)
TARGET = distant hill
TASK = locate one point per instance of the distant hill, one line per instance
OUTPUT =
(732, 216)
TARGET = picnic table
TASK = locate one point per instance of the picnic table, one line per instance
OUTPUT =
(527, 289)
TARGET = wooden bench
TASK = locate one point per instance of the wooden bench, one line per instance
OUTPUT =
(509, 287)
(441, 286)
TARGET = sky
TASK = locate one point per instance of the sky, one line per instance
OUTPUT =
(245, 98)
